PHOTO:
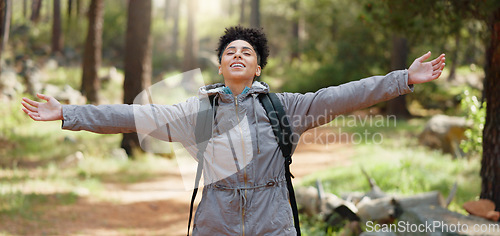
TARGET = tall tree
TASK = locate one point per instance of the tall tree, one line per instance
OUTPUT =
(175, 29)
(92, 53)
(36, 7)
(191, 46)
(399, 57)
(5, 16)
(167, 11)
(255, 14)
(138, 43)
(242, 12)
(78, 8)
(57, 39)
(404, 20)
(70, 8)
(295, 31)
(490, 164)
(25, 8)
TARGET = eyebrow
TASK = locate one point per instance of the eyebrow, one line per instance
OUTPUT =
(244, 47)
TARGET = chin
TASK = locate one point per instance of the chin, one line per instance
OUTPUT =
(240, 77)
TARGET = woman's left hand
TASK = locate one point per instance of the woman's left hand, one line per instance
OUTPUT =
(421, 72)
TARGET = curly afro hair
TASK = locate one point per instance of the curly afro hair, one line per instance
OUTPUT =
(254, 36)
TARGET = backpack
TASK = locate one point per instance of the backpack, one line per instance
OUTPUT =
(282, 131)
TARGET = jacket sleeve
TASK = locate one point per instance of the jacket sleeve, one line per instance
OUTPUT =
(166, 122)
(311, 110)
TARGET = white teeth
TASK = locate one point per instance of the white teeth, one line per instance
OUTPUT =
(237, 65)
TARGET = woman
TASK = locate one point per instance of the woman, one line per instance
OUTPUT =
(245, 189)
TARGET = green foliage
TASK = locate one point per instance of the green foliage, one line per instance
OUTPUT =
(337, 48)
(20, 204)
(475, 112)
(113, 34)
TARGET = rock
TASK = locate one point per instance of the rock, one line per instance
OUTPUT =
(31, 76)
(68, 95)
(444, 133)
(69, 139)
(484, 208)
(72, 160)
(81, 191)
(119, 154)
(9, 85)
(113, 75)
(51, 64)
(308, 200)
(380, 209)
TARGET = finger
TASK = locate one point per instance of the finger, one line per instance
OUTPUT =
(26, 111)
(436, 66)
(43, 96)
(31, 102)
(438, 59)
(32, 115)
(30, 108)
(438, 70)
(436, 75)
(424, 57)
(442, 66)
(35, 117)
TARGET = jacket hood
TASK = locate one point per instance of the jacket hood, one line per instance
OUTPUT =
(212, 89)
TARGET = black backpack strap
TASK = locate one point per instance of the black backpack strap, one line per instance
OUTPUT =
(203, 132)
(283, 132)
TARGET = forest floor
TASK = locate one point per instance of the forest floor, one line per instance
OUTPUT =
(158, 206)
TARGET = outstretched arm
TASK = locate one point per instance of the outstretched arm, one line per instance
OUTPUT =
(47, 111)
(421, 72)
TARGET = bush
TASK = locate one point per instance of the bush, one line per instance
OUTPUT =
(475, 114)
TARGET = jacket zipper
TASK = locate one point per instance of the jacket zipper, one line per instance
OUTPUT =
(244, 170)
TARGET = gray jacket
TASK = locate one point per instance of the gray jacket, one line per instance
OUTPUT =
(245, 190)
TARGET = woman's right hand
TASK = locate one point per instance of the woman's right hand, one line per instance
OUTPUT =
(46, 111)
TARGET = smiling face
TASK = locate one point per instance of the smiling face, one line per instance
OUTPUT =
(239, 62)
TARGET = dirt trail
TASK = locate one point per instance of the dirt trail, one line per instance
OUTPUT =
(160, 206)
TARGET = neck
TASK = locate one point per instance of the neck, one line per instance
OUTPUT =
(238, 86)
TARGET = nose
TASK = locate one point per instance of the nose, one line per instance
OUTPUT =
(237, 54)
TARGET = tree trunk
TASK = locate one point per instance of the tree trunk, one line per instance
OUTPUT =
(57, 41)
(242, 12)
(2, 27)
(78, 8)
(167, 11)
(25, 8)
(230, 7)
(255, 14)
(70, 8)
(295, 31)
(175, 29)
(92, 54)
(5, 15)
(36, 6)
(399, 55)
(191, 47)
(490, 164)
(137, 60)
(454, 57)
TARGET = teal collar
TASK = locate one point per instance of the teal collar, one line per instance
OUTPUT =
(227, 90)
